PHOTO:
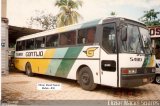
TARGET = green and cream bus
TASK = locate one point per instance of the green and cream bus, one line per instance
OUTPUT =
(114, 52)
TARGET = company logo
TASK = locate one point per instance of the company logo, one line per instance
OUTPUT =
(90, 51)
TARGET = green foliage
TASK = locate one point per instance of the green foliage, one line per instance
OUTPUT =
(46, 21)
(113, 14)
(150, 18)
(68, 14)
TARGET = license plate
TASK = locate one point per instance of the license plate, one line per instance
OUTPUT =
(145, 80)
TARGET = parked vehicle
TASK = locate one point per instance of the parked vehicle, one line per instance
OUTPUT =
(113, 52)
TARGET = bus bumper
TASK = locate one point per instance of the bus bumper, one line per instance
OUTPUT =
(136, 80)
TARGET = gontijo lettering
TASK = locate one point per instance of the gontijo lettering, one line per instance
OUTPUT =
(35, 53)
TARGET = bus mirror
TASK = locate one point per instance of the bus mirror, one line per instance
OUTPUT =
(124, 34)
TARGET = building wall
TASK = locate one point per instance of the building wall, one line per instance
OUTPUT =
(4, 38)
(4, 47)
(4, 8)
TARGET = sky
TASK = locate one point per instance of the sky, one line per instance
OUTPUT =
(20, 11)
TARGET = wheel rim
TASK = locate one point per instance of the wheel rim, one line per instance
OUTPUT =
(158, 79)
(85, 78)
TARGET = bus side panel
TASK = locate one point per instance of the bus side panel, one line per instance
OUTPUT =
(91, 60)
(62, 62)
(92, 64)
(20, 64)
(68, 61)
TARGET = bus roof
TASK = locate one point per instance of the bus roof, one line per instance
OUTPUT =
(71, 28)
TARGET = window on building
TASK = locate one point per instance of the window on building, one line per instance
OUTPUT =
(52, 40)
(30, 44)
(86, 36)
(68, 38)
(39, 42)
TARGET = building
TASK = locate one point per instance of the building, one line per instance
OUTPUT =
(9, 34)
(4, 38)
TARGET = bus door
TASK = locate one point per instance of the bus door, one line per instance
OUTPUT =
(109, 55)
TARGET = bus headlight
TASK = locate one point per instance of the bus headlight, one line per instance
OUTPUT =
(132, 71)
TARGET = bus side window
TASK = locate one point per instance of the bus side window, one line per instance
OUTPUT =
(52, 41)
(86, 36)
(30, 44)
(91, 35)
(68, 38)
(40, 42)
(63, 39)
(71, 38)
(17, 45)
(81, 36)
(20, 45)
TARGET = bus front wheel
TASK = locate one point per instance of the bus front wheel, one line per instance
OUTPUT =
(85, 79)
(28, 69)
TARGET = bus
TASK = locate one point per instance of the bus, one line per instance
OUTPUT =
(112, 51)
(155, 37)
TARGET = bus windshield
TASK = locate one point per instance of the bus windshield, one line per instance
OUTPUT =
(133, 44)
(146, 40)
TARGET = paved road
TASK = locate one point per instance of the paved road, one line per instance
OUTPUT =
(18, 86)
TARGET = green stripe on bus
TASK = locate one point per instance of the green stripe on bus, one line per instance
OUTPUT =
(146, 61)
(55, 63)
(68, 61)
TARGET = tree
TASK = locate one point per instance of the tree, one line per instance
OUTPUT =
(113, 14)
(150, 18)
(68, 14)
(45, 21)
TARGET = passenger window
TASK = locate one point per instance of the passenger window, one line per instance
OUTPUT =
(68, 38)
(108, 40)
(52, 40)
(86, 36)
(30, 44)
(20, 45)
(39, 42)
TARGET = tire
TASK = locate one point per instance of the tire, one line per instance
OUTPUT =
(157, 79)
(85, 79)
(28, 70)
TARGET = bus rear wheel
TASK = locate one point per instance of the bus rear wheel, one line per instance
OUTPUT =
(85, 79)
(28, 69)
